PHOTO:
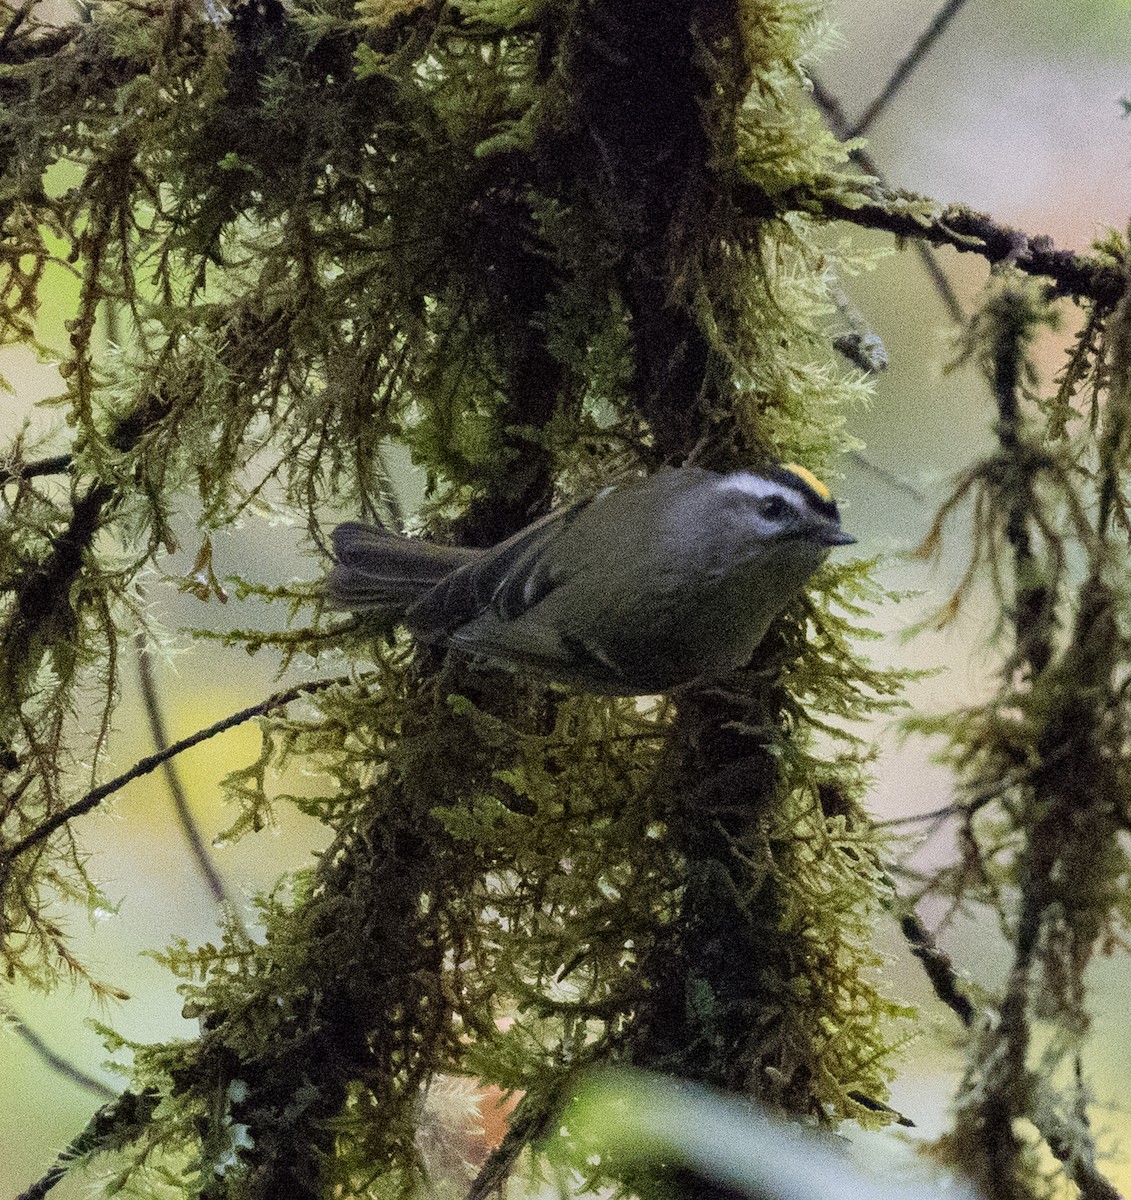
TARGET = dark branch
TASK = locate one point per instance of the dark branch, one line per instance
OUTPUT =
(876, 1106)
(842, 127)
(971, 232)
(938, 967)
(185, 817)
(13, 472)
(151, 762)
(903, 70)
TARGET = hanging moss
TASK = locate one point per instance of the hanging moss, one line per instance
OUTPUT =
(520, 240)
(1042, 765)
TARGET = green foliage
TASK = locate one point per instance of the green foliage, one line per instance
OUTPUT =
(1043, 765)
(320, 229)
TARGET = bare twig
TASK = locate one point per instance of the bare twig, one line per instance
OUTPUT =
(151, 762)
(903, 70)
(895, 482)
(934, 814)
(53, 1059)
(842, 127)
(185, 817)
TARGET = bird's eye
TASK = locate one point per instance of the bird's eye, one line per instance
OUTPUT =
(773, 508)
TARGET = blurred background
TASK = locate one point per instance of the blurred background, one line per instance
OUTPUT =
(1016, 112)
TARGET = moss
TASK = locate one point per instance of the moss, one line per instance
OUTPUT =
(470, 229)
(1042, 764)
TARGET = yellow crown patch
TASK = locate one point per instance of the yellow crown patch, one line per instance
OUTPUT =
(809, 478)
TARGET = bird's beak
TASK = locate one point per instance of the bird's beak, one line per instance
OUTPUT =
(833, 535)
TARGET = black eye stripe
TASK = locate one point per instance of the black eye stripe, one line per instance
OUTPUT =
(797, 485)
(782, 487)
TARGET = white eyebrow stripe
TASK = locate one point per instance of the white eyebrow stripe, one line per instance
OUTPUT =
(753, 485)
(750, 484)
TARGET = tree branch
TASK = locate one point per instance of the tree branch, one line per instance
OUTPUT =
(971, 232)
(842, 127)
(907, 65)
(151, 762)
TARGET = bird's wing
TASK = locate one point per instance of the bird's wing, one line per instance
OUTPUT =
(510, 578)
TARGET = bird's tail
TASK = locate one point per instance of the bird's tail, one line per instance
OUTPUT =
(375, 569)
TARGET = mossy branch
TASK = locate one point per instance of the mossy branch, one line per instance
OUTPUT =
(1045, 753)
(918, 219)
(537, 244)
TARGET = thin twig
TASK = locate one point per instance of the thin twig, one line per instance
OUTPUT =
(151, 762)
(893, 481)
(181, 806)
(53, 1059)
(842, 127)
(934, 814)
(975, 801)
(903, 70)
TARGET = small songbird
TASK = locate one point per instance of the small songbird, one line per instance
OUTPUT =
(649, 585)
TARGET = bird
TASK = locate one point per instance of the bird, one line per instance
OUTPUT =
(648, 586)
